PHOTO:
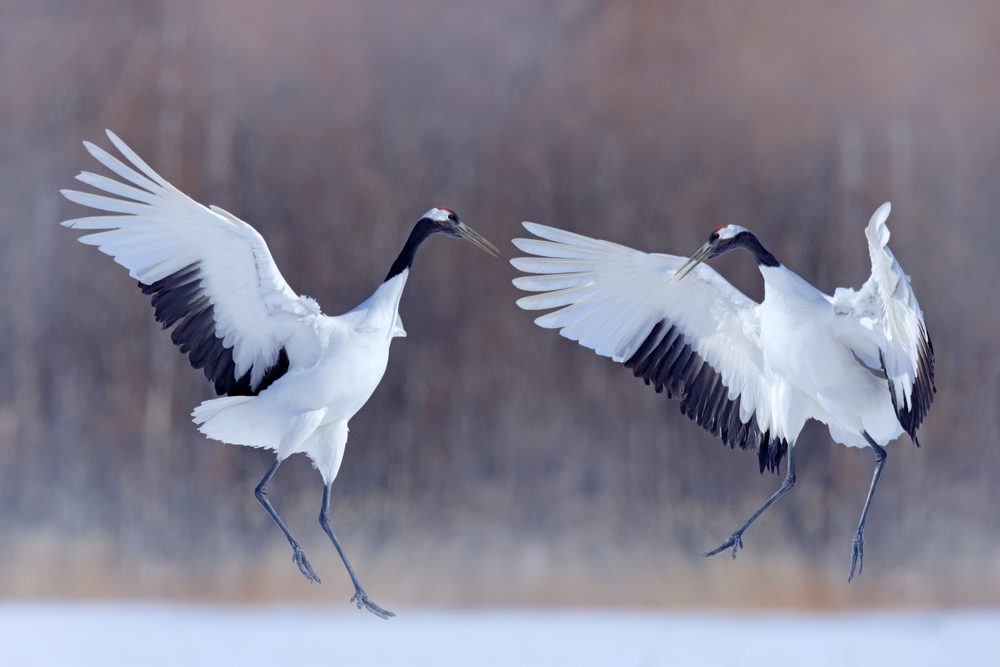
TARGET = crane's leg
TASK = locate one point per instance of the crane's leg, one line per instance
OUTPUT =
(359, 593)
(858, 544)
(298, 555)
(736, 539)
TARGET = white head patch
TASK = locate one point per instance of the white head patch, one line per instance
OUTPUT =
(438, 214)
(729, 231)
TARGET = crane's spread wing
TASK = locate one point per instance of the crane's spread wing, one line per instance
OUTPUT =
(883, 324)
(202, 267)
(697, 338)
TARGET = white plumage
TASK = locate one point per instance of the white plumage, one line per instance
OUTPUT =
(750, 373)
(294, 376)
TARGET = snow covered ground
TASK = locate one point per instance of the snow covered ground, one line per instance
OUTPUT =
(140, 634)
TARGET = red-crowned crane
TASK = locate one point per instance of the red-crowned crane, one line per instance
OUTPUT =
(750, 373)
(292, 376)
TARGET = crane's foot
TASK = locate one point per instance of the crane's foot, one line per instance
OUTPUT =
(735, 541)
(857, 553)
(361, 598)
(299, 557)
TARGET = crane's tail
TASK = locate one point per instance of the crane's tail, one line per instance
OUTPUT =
(246, 420)
(236, 420)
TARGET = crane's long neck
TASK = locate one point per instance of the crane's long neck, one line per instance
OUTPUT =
(763, 257)
(421, 231)
(379, 310)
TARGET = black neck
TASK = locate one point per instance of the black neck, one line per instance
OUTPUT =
(763, 257)
(421, 231)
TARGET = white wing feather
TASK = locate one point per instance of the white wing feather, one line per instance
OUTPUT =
(610, 296)
(161, 231)
(883, 323)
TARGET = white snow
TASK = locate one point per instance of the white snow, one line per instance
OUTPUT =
(141, 634)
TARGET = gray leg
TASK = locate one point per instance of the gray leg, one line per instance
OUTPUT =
(298, 555)
(858, 544)
(736, 539)
(359, 593)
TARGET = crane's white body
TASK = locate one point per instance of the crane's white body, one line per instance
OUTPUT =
(335, 365)
(813, 371)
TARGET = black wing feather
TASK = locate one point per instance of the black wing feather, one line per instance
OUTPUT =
(922, 393)
(180, 297)
(667, 361)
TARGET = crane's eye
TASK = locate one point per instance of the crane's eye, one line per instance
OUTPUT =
(714, 236)
(451, 216)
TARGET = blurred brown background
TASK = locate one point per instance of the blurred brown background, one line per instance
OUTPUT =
(498, 463)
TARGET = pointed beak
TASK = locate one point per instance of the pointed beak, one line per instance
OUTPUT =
(469, 234)
(694, 261)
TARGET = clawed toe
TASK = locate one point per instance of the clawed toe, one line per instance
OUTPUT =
(363, 602)
(299, 557)
(735, 541)
(857, 554)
